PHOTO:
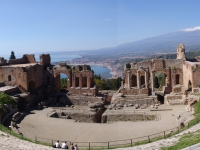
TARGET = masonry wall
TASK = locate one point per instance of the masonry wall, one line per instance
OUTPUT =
(188, 74)
(35, 73)
(27, 58)
(17, 76)
(196, 76)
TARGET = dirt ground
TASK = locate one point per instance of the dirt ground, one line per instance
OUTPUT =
(37, 124)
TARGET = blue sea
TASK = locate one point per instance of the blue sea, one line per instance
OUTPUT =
(58, 57)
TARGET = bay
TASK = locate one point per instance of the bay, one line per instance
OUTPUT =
(103, 71)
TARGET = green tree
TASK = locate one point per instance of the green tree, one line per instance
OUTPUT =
(12, 56)
(101, 84)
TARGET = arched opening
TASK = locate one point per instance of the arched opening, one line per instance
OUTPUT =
(134, 80)
(77, 82)
(9, 77)
(31, 87)
(84, 81)
(48, 80)
(142, 80)
(177, 79)
(189, 85)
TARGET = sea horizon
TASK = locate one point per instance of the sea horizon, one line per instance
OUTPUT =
(98, 69)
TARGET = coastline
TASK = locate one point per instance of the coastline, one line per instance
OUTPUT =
(115, 74)
(95, 64)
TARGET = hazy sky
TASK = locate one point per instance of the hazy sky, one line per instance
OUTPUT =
(32, 26)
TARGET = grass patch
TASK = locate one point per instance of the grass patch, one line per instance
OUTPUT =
(185, 141)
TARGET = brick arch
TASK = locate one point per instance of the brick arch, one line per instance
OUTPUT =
(67, 73)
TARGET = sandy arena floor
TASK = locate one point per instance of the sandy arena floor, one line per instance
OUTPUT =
(38, 124)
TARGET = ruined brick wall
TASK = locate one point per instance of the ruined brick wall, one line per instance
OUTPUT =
(188, 74)
(133, 91)
(83, 79)
(146, 64)
(196, 75)
(13, 76)
(174, 63)
(35, 74)
(29, 58)
(80, 79)
(159, 64)
(3, 61)
(57, 70)
(45, 59)
(17, 61)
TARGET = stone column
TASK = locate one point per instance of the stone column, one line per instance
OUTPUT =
(122, 84)
(88, 82)
(146, 80)
(128, 79)
(73, 81)
(138, 79)
(80, 81)
(152, 81)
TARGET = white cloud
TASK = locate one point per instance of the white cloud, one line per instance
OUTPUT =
(191, 29)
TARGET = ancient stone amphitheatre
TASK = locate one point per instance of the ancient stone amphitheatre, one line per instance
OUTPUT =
(85, 115)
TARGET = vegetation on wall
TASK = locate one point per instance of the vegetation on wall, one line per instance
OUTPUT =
(5, 99)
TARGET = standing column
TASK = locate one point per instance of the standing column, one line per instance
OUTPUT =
(122, 85)
(146, 80)
(152, 81)
(88, 82)
(138, 79)
(128, 79)
(80, 80)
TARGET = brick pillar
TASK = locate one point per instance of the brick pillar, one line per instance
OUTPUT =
(138, 79)
(152, 82)
(146, 79)
(80, 81)
(128, 79)
(88, 82)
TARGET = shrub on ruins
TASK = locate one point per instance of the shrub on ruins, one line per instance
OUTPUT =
(6, 99)
(12, 56)
(101, 84)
